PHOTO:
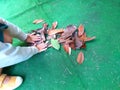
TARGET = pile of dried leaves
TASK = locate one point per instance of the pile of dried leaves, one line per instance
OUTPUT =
(70, 38)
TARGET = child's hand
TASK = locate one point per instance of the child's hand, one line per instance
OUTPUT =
(42, 47)
(31, 38)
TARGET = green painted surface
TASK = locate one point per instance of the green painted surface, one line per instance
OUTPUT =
(55, 70)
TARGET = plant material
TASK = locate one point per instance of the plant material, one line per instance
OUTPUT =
(55, 44)
(69, 31)
(80, 30)
(89, 38)
(72, 45)
(80, 58)
(51, 37)
(54, 25)
(78, 43)
(61, 40)
(38, 21)
(83, 37)
(55, 31)
(70, 37)
(84, 45)
(67, 48)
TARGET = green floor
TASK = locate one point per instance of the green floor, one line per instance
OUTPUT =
(55, 70)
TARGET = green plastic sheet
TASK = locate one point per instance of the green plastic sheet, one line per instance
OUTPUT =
(56, 70)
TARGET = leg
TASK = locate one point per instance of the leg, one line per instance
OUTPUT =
(7, 37)
(0, 71)
(9, 82)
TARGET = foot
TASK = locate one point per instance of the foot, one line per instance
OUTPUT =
(11, 82)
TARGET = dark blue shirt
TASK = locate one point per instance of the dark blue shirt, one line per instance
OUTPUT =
(1, 36)
(2, 27)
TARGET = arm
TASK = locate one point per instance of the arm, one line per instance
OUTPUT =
(10, 55)
(14, 30)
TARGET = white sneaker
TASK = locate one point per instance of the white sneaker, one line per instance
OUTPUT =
(18, 82)
(13, 83)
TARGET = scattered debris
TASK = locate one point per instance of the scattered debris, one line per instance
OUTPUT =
(71, 37)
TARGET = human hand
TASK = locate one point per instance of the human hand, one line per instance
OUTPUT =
(31, 38)
(42, 47)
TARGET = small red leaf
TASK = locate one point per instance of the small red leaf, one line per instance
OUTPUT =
(37, 21)
(54, 25)
(72, 45)
(82, 37)
(89, 38)
(67, 48)
(84, 45)
(80, 30)
(80, 58)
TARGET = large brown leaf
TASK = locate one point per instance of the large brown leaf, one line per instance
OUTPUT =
(69, 31)
(55, 31)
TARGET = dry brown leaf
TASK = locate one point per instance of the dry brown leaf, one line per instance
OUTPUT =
(80, 30)
(72, 45)
(84, 45)
(89, 38)
(78, 43)
(85, 38)
(38, 21)
(54, 25)
(55, 31)
(82, 37)
(80, 58)
(67, 48)
(69, 31)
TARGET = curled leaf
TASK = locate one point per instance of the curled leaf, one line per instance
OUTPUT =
(80, 58)
(54, 25)
(55, 44)
(80, 30)
(37, 21)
